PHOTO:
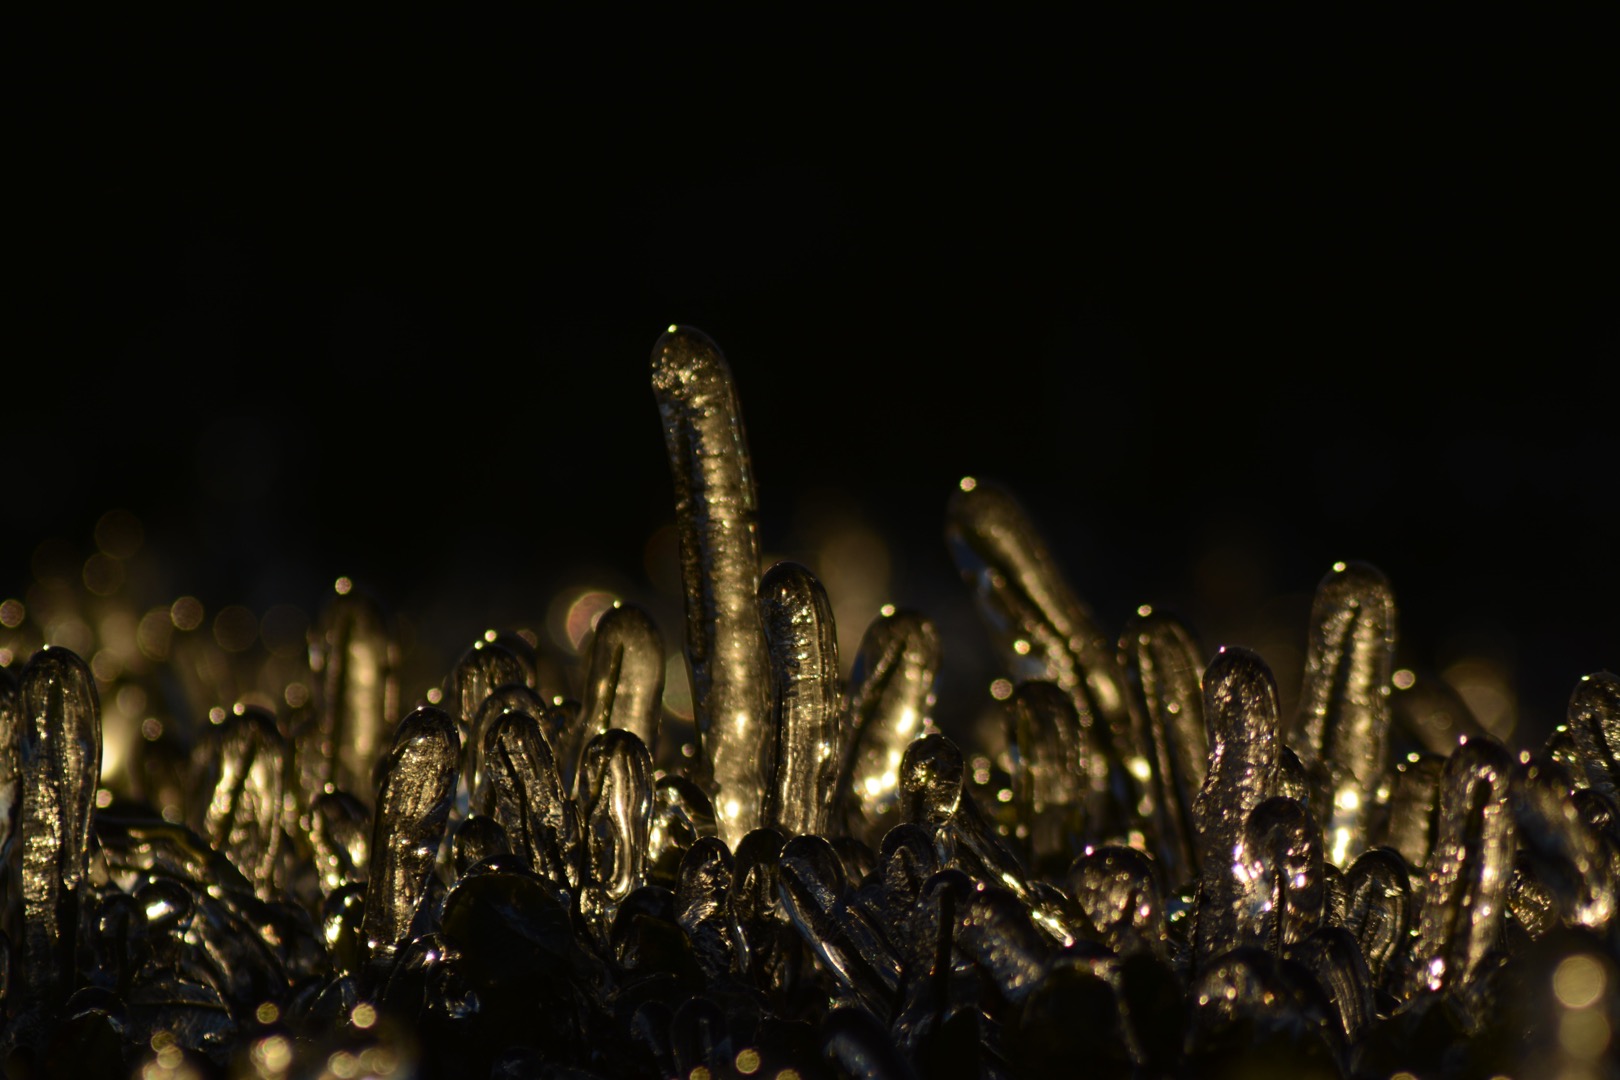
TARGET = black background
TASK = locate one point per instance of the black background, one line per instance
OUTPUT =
(1222, 302)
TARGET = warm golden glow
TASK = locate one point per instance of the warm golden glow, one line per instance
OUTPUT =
(1578, 982)
(574, 614)
(677, 688)
(1195, 790)
(1485, 689)
(1339, 849)
(186, 613)
(154, 633)
(1584, 1032)
(852, 563)
(271, 1055)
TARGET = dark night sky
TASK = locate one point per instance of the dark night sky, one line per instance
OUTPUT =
(1221, 306)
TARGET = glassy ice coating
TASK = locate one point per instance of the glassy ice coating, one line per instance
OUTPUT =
(1334, 958)
(1561, 748)
(624, 687)
(1469, 870)
(1240, 702)
(703, 904)
(1571, 860)
(1378, 908)
(481, 671)
(524, 904)
(60, 754)
(244, 815)
(615, 799)
(517, 698)
(767, 946)
(10, 774)
(1278, 880)
(997, 932)
(340, 839)
(1292, 780)
(1049, 766)
(1344, 703)
(1117, 888)
(811, 884)
(891, 693)
(413, 808)
(931, 774)
(682, 814)
(1041, 627)
(354, 659)
(931, 793)
(1594, 721)
(1414, 806)
(810, 725)
(476, 839)
(1163, 665)
(716, 515)
(522, 792)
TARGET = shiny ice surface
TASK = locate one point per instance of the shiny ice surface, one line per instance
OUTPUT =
(1123, 865)
(807, 716)
(1163, 665)
(60, 744)
(413, 808)
(1469, 869)
(1240, 702)
(891, 695)
(624, 684)
(1344, 709)
(717, 516)
(1039, 624)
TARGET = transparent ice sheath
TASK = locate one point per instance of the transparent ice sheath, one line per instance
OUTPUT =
(1344, 709)
(810, 725)
(717, 518)
(60, 751)
(624, 683)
